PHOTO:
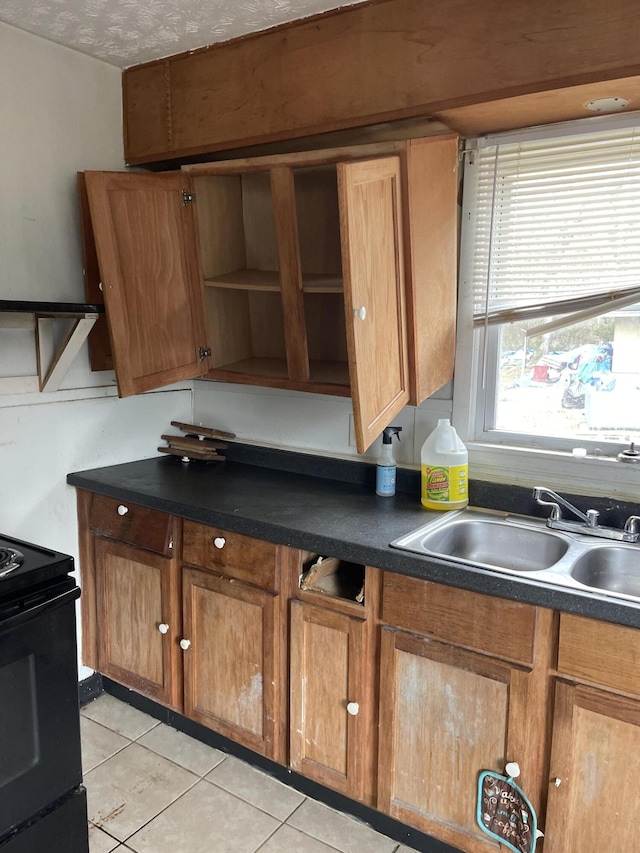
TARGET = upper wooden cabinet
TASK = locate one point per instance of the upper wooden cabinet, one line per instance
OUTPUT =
(150, 277)
(332, 272)
(466, 63)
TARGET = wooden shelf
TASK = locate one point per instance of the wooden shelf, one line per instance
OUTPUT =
(275, 368)
(268, 280)
(321, 283)
(326, 372)
(246, 280)
(329, 372)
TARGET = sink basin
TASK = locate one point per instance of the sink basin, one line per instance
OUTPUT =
(491, 542)
(613, 569)
(525, 546)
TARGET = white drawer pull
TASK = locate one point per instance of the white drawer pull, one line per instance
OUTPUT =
(163, 628)
(123, 510)
(512, 769)
(184, 644)
(353, 708)
(360, 313)
(219, 541)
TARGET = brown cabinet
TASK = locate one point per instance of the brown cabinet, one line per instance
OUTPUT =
(398, 699)
(206, 638)
(231, 648)
(593, 803)
(233, 644)
(451, 705)
(150, 282)
(316, 272)
(130, 583)
(332, 683)
(135, 594)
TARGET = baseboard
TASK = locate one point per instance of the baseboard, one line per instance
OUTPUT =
(90, 688)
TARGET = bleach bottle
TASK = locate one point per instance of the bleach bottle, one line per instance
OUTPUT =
(386, 465)
(444, 463)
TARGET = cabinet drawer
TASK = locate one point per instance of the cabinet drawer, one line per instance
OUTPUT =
(481, 622)
(231, 554)
(134, 525)
(600, 652)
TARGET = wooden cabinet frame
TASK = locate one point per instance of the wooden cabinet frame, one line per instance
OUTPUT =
(398, 255)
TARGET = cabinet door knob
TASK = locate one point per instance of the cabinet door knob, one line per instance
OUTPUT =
(360, 313)
(512, 769)
(163, 627)
(184, 644)
(219, 541)
(123, 510)
(557, 781)
(353, 708)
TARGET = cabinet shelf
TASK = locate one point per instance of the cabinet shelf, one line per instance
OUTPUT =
(321, 372)
(251, 279)
(275, 368)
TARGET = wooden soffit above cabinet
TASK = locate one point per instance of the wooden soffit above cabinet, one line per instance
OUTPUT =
(473, 66)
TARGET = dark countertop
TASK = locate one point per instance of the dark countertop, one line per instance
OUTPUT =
(334, 512)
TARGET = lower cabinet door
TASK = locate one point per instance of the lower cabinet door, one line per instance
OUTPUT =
(230, 646)
(593, 792)
(139, 620)
(446, 714)
(329, 703)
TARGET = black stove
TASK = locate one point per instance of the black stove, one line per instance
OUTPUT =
(42, 801)
(24, 566)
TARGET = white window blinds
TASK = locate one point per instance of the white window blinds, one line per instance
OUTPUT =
(557, 227)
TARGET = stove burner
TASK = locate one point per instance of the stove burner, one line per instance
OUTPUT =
(10, 559)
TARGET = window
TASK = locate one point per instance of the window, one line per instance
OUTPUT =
(549, 319)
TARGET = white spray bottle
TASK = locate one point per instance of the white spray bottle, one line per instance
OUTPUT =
(386, 465)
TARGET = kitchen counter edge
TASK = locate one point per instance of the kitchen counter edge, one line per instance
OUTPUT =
(333, 518)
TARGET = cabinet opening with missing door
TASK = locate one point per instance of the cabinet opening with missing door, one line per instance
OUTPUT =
(334, 577)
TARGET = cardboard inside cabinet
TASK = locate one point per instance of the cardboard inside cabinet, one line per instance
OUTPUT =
(334, 577)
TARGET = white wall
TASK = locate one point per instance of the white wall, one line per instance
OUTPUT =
(60, 112)
(312, 423)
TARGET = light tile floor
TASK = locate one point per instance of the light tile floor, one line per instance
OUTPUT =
(152, 789)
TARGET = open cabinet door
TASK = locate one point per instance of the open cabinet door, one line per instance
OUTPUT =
(148, 256)
(374, 293)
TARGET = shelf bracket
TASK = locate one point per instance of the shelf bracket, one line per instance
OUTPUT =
(61, 361)
(53, 361)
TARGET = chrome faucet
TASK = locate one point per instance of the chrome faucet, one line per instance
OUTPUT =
(588, 523)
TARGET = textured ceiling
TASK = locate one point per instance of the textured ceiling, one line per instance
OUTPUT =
(127, 32)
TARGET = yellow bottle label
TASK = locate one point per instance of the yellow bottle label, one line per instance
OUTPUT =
(444, 484)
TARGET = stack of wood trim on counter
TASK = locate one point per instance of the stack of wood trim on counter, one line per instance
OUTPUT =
(200, 442)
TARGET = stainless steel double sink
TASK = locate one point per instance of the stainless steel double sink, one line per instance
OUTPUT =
(525, 546)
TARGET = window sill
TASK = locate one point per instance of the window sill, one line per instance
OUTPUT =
(559, 470)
